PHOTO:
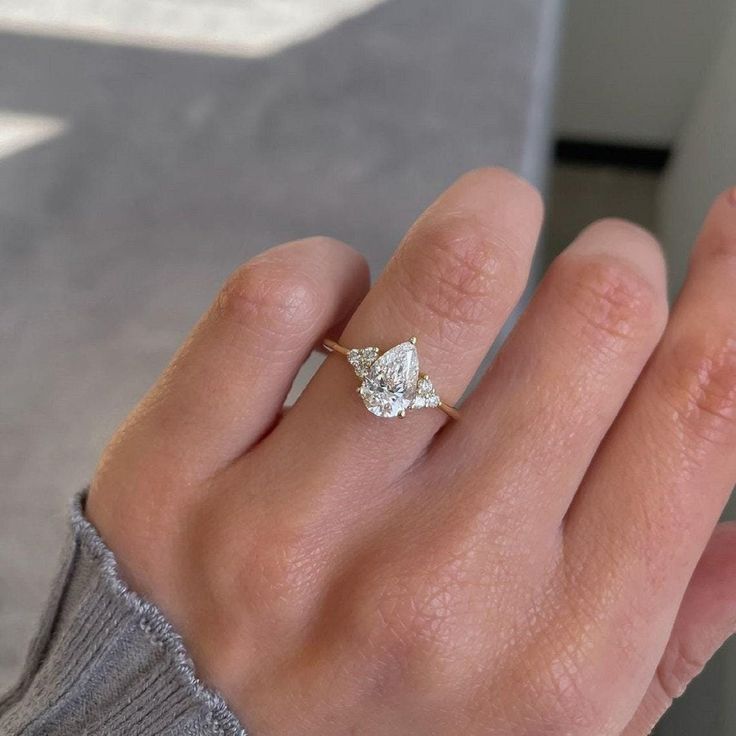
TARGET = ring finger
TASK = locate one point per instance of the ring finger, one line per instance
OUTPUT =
(452, 283)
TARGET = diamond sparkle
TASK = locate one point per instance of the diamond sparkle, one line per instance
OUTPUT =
(426, 395)
(391, 383)
(390, 386)
(362, 359)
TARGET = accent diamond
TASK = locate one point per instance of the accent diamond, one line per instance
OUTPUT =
(389, 387)
(426, 395)
(362, 359)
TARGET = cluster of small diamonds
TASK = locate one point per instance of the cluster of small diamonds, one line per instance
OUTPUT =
(362, 359)
(426, 395)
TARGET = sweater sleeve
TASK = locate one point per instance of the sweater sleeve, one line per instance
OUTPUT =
(105, 661)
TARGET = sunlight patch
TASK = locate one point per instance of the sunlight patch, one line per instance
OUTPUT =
(19, 132)
(247, 28)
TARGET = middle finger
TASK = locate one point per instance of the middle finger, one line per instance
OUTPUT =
(536, 419)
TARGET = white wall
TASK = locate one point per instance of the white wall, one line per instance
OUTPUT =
(630, 69)
(704, 162)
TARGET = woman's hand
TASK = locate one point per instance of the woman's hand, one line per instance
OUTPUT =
(545, 565)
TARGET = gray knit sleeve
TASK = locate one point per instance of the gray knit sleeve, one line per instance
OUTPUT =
(105, 661)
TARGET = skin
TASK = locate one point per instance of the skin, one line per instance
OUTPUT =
(549, 564)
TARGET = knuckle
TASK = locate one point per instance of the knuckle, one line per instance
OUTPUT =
(373, 622)
(557, 672)
(272, 296)
(559, 699)
(409, 625)
(282, 576)
(455, 269)
(612, 302)
(620, 228)
(677, 669)
(699, 387)
(508, 182)
(387, 615)
(718, 240)
(721, 249)
(273, 570)
(322, 249)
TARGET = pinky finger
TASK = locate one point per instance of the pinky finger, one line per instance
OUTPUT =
(707, 617)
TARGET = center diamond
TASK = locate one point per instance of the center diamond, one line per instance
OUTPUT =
(390, 386)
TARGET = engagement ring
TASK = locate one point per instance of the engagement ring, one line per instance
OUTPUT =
(391, 383)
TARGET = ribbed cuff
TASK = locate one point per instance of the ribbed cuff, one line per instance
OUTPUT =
(105, 661)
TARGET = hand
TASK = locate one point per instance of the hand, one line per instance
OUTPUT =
(545, 565)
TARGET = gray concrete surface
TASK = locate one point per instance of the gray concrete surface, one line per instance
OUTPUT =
(175, 168)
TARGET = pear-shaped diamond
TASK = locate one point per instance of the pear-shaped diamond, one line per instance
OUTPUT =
(390, 386)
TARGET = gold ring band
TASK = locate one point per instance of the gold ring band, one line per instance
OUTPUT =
(391, 382)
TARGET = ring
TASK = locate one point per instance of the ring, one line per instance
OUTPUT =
(391, 383)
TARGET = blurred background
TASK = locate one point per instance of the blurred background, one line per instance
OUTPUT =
(147, 147)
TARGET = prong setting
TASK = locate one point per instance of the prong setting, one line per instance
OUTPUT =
(391, 383)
